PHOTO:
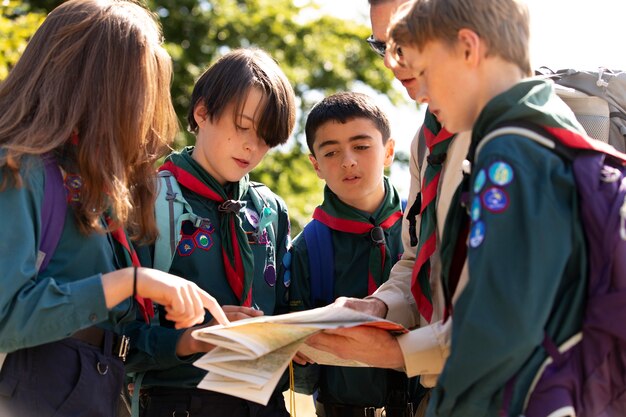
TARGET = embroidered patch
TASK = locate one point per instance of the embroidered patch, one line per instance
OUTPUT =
(479, 182)
(477, 234)
(186, 246)
(252, 217)
(476, 209)
(270, 275)
(203, 239)
(501, 173)
(495, 199)
(207, 226)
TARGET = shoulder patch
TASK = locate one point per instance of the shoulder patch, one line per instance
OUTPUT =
(501, 173)
(476, 209)
(479, 181)
(477, 234)
(495, 199)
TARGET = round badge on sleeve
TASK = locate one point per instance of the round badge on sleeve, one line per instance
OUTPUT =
(501, 173)
(495, 199)
(479, 182)
(477, 234)
(476, 209)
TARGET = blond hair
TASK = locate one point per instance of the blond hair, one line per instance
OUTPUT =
(95, 68)
(502, 24)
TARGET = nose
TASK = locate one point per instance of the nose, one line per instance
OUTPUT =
(251, 143)
(421, 95)
(389, 61)
(348, 160)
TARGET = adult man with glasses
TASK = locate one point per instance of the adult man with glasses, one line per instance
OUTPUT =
(421, 351)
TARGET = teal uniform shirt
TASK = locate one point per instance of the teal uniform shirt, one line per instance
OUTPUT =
(38, 308)
(526, 257)
(199, 258)
(364, 387)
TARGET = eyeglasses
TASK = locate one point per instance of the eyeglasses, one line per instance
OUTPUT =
(377, 46)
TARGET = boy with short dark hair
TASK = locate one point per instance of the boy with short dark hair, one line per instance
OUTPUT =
(526, 257)
(350, 144)
(242, 106)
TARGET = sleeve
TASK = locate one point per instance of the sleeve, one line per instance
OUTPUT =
(36, 310)
(154, 346)
(425, 349)
(396, 291)
(521, 234)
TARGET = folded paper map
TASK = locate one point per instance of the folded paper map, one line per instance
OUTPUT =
(252, 354)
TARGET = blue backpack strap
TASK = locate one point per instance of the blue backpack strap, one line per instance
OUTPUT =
(319, 245)
(53, 210)
(171, 210)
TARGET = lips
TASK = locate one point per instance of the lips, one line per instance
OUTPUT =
(242, 163)
(407, 82)
(351, 178)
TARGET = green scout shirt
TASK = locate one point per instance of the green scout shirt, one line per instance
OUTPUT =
(67, 296)
(526, 259)
(346, 385)
(199, 259)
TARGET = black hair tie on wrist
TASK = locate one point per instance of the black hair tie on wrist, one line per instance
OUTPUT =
(134, 281)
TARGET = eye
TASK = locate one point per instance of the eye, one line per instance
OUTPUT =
(243, 129)
(361, 147)
(330, 154)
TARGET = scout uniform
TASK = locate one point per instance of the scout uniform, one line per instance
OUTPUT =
(53, 303)
(200, 257)
(358, 272)
(526, 259)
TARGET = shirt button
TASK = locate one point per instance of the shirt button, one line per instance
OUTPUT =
(93, 317)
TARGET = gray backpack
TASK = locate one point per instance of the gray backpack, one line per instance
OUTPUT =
(597, 98)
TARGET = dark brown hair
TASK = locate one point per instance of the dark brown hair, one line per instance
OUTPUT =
(343, 107)
(230, 79)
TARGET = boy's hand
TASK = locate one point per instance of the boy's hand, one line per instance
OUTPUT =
(372, 346)
(188, 345)
(372, 306)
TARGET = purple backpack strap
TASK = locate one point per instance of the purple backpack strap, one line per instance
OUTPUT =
(53, 211)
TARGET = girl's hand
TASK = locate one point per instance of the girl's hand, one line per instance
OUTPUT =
(184, 301)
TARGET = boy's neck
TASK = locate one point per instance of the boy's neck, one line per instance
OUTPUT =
(368, 204)
(498, 76)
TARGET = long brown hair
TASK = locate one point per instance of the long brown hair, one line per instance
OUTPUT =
(95, 69)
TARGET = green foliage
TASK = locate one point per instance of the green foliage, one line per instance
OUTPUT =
(319, 54)
(17, 25)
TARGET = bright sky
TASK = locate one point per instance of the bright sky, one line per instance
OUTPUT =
(582, 34)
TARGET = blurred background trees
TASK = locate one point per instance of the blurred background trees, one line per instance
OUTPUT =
(320, 54)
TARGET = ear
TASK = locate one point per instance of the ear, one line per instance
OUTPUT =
(389, 152)
(470, 45)
(200, 113)
(316, 166)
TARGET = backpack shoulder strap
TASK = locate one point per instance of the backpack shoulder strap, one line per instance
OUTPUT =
(171, 209)
(319, 245)
(53, 210)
